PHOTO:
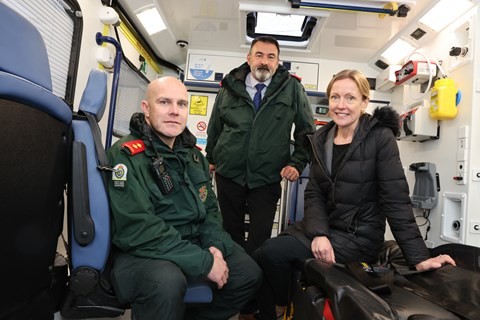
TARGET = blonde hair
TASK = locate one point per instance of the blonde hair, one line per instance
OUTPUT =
(357, 77)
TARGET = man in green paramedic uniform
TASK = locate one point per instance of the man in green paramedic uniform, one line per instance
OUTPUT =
(167, 226)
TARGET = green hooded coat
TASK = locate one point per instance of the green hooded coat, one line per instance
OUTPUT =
(179, 226)
(252, 148)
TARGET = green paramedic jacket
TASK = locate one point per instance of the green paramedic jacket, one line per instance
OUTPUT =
(252, 148)
(179, 226)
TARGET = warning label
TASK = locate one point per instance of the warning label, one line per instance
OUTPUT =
(198, 105)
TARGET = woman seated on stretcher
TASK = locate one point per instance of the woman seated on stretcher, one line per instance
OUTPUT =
(356, 182)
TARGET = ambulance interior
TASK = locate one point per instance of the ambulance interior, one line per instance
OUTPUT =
(420, 57)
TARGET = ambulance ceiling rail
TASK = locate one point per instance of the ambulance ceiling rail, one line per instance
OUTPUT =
(383, 8)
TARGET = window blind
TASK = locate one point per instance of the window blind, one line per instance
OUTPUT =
(56, 29)
(132, 87)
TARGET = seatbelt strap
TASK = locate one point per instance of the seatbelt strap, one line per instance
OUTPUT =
(102, 161)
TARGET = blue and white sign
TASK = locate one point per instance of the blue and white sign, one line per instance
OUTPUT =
(200, 68)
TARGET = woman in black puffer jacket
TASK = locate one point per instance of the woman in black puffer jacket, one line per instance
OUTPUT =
(356, 183)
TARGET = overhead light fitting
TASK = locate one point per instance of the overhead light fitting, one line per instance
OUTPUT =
(151, 19)
(397, 51)
(444, 13)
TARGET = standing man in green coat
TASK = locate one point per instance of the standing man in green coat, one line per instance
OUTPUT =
(167, 227)
(248, 144)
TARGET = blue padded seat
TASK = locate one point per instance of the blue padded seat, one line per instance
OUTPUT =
(89, 291)
(24, 67)
(95, 253)
(35, 127)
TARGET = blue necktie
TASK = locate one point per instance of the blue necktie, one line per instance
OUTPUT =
(258, 95)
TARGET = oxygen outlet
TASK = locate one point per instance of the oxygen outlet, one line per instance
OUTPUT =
(456, 225)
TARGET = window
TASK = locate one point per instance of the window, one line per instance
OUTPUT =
(132, 87)
(289, 29)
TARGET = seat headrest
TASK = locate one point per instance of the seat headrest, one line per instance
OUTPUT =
(22, 49)
(94, 97)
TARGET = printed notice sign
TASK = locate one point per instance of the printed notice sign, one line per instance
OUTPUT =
(198, 105)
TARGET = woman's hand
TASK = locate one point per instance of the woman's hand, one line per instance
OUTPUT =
(322, 249)
(435, 262)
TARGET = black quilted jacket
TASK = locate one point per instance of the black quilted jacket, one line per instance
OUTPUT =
(369, 186)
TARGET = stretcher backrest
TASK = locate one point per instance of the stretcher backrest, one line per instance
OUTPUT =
(35, 127)
(350, 299)
(446, 293)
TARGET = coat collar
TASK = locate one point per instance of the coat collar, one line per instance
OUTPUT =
(140, 128)
(322, 140)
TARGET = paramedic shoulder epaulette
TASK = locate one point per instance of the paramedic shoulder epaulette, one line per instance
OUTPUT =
(135, 146)
(296, 77)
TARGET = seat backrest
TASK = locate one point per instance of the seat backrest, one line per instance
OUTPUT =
(302, 184)
(297, 203)
(35, 127)
(89, 293)
(89, 213)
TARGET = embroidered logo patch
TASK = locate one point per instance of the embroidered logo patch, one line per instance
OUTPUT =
(202, 193)
(119, 176)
